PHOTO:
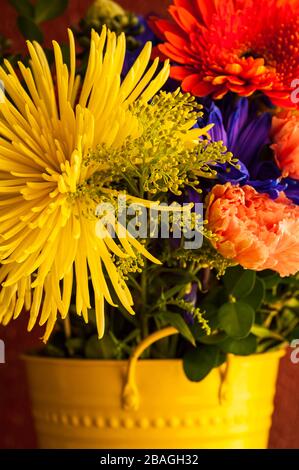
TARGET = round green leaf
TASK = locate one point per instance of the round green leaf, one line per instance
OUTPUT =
(231, 277)
(213, 339)
(241, 347)
(257, 295)
(244, 284)
(199, 362)
(239, 282)
(236, 319)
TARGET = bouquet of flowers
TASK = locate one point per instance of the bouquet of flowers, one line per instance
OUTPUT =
(130, 202)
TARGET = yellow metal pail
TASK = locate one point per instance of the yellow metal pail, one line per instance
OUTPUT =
(150, 403)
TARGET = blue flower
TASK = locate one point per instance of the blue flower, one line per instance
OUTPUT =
(292, 190)
(246, 134)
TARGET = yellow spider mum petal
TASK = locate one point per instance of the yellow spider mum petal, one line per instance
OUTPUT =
(48, 242)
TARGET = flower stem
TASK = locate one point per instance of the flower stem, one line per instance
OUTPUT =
(206, 273)
(67, 327)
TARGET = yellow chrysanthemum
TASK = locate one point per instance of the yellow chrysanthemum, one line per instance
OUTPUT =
(47, 239)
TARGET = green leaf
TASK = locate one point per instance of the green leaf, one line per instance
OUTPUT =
(262, 332)
(29, 29)
(49, 9)
(244, 285)
(294, 334)
(241, 347)
(53, 350)
(74, 346)
(23, 7)
(221, 358)
(231, 277)
(96, 348)
(199, 362)
(173, 291)
(236, 319)
(176, 320)
(271, 279)
(239, 282)
(213, 339)
(257, 295)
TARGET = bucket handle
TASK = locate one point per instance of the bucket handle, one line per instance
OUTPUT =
(130, 396)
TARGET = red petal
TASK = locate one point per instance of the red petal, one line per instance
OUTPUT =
(233, 69)
(180, 73)
(187, 4)
(219, 80)
(157, 53)
(282, 103)
(281, 94)
(206, 9)
(202, 88)
(187, 20)
(220, 93)
(160, 27)
(242, 90)
(175, 54)
(174, 13)
(176, 40)
(235, 80)
(190, 82)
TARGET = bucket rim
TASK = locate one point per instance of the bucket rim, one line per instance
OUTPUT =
(29, 358)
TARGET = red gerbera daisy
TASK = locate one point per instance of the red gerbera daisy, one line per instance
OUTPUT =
(233, 45)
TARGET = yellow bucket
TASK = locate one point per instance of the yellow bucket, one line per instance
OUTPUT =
(150, 403)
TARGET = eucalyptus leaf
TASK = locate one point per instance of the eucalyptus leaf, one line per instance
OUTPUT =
(231, 277)
(241, 347)
(221, 358)
(199, 362)
(256, 297)
(213, 339)
(244, 284)
(236, 319)
(239, 282)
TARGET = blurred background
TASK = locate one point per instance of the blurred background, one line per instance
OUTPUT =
(16, 427)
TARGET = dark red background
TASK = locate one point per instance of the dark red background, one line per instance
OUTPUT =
(16, 429)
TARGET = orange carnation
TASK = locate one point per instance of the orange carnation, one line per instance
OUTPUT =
(254, 230)
(285, 132)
